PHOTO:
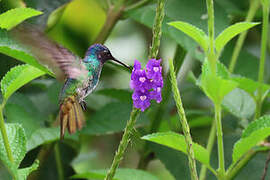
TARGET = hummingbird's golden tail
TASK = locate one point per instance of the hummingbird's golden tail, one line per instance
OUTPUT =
(71, 116)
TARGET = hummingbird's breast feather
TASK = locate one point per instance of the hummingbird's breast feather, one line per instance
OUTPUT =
(89, 83)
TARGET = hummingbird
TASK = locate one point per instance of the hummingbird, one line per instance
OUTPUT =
(80, 75)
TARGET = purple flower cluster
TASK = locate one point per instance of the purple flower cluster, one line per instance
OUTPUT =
(147, 83)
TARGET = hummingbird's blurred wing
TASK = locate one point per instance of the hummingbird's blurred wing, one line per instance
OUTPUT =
(56, 58)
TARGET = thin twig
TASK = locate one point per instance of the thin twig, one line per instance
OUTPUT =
(137, 5)
(113, 16)
(266, 166)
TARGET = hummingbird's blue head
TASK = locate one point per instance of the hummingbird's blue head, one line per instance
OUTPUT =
(101, 53)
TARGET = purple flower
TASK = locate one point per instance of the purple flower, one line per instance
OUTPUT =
(147, 84)
(136, 67)
(141, 100)
(154, 70)
(156, 94)
(139, 81)
(156, 84)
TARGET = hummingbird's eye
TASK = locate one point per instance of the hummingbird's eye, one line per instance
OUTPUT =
(105, 52)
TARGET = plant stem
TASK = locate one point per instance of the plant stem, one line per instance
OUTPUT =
(185, 127)
(265, 5)
(113, 16)
(211, 33)
(212, 58)
(258, 108)
(221, 168)
(123, 144)
(233, 170)
(266, 167)
(209, 147)
(4, 133)
(157, 29)
(253, 7)
(58, 162)
(119, 4)
(137, 5)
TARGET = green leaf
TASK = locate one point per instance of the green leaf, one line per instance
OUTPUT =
(174, 160)
(222, 71)
(177, 141)
(251, 86)
(11, 48)
(195, 33)
(245, 144)
(42, 136)
(17, 142)
(265, 3)
(111, 118)
(84, 160)
(27, 113)
(15, 16)
(55, 16)
(225, 36)
(256, 132)
(261, 123)
(121, 174)
(215, 87)
(93, 174)
(118, 94)
(24, 101)
(239, 103)
(45, 136)
(21, 116)
(200, 121)
(17, 77)
(24, 172)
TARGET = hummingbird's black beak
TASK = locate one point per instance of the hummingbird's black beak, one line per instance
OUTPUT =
(119, 62)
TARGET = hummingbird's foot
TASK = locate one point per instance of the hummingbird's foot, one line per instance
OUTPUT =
(83, 105)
